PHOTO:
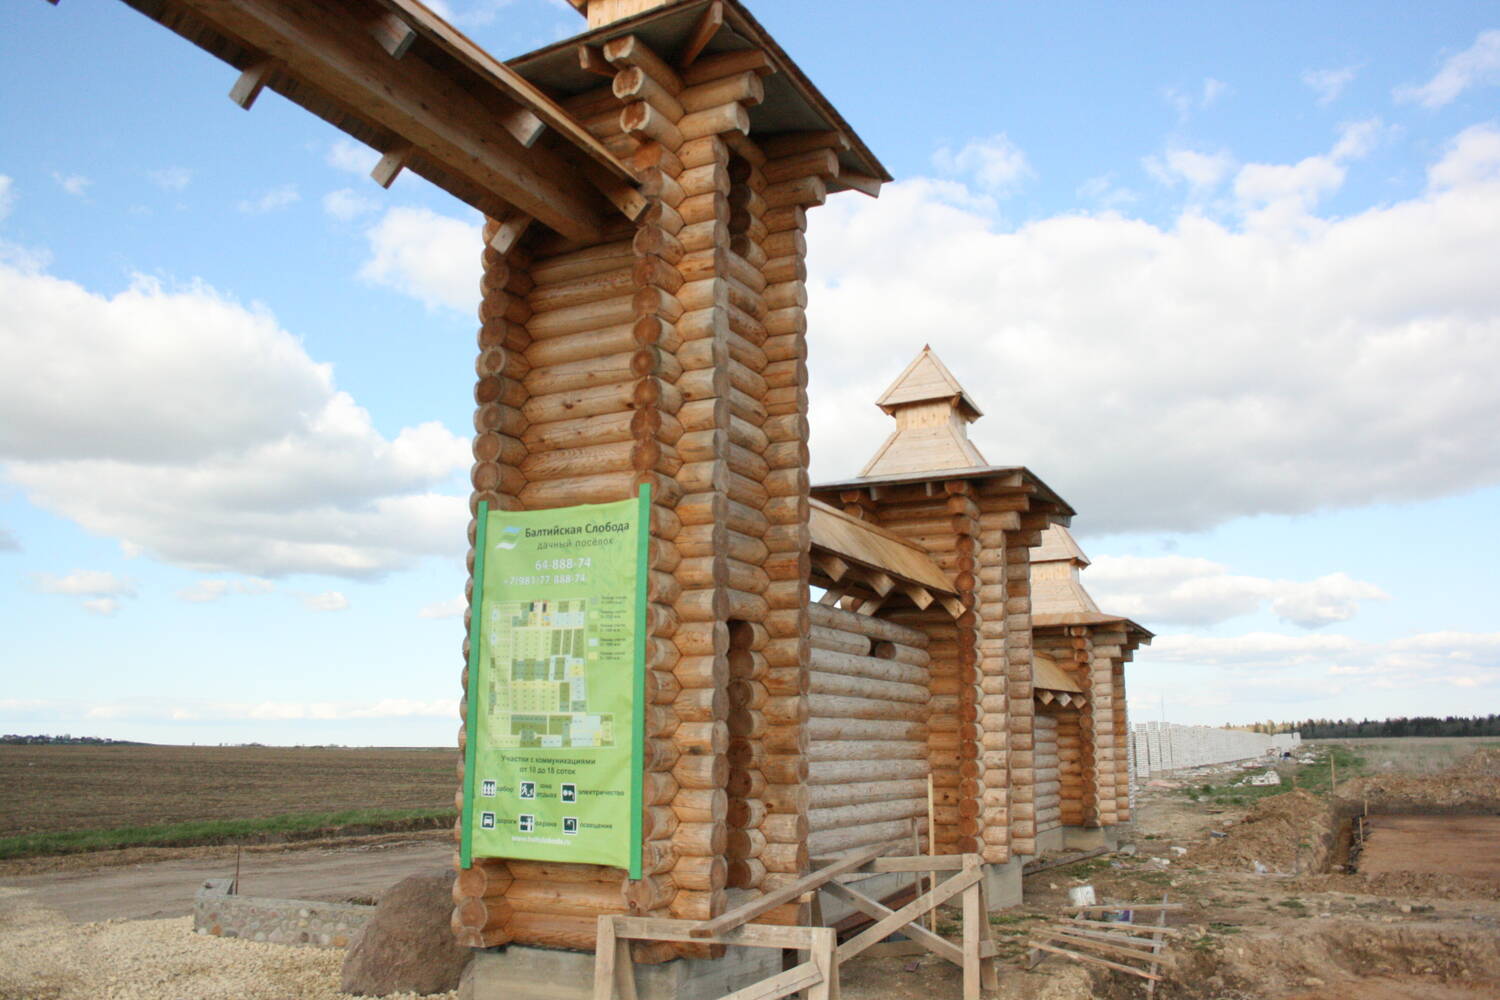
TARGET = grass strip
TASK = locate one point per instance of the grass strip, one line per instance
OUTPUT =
(199, 833)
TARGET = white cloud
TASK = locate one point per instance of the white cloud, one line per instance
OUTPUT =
(76, 185)
(7, 196)
(1105, 192)
(1175, 377)
(100, 589)
(432, 257)
(208, 590)
(171, 178)
(1328, 84)
(1202, 171)
(452, 608)
(1472, 158)
(354, 157)
(329, 600)
(996, 164)
(1278, 194)
(272, 200)
(1477, 65)
(86, 583)
(226, 448)
(1180, 590)
(345, 205)
(1185, 102)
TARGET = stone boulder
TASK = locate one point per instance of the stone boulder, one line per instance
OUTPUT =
(407, 946)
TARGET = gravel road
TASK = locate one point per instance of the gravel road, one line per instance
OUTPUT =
(165, 888)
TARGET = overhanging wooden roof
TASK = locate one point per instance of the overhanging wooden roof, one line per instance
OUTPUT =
(1092, 618)
(400, 79)
(1029, 483)
(1045, 673)
(791, 104)
(849, 551)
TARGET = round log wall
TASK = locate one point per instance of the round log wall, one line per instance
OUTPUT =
(868, 713)
(1048, 775)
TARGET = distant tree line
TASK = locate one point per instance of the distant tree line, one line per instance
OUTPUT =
(1420, 725)
(67, 740)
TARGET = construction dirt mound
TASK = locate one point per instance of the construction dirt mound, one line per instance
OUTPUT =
(1288, 833)
(1470, 787)
(1343, 960)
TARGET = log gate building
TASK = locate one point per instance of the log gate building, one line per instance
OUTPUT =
(829, 666)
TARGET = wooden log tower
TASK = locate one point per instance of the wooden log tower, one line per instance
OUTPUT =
(1083, 652)
(671, 350)
(929, 484)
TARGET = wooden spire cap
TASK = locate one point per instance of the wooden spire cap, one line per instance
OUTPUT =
(1056, 588)
(933, 412)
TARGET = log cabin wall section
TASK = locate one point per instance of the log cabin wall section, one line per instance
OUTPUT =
(671, 351)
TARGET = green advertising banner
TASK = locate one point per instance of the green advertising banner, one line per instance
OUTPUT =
(556, 685)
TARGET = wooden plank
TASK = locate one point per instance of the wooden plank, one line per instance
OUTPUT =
(799, 977)
(973, 919)
(918, 934)
(709, 23)
(1063, 937)
(1148, 928)
(1143, 943)
(335, 57)
(749, 911)
(883, 928)
(1078, 956)
(915, 863)
(747, 935)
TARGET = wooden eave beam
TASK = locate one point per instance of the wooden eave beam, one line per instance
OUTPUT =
(520, 89)
(327, 46)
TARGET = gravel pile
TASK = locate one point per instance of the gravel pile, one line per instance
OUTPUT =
(45, 957)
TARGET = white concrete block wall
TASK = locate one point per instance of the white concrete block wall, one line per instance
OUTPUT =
(1157, 747)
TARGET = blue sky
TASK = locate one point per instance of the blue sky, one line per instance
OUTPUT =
(1225, 277)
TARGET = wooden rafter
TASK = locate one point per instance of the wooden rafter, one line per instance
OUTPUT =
(393, 74)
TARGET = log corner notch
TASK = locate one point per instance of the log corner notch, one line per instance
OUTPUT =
(930, 486)
(399, 78)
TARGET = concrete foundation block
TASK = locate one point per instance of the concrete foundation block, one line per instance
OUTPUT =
(1002, 884)
(521, 973)
(1049, 840)
(1085, 838)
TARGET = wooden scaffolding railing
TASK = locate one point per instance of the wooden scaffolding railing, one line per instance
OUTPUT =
(614, 972)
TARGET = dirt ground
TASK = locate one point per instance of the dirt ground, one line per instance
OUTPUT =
(1465, 846)
(1297, 927)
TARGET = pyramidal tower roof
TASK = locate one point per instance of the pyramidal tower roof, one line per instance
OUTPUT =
(1056, 588)
(933, 413)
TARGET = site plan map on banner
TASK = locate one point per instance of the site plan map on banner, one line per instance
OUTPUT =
(555, 676)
